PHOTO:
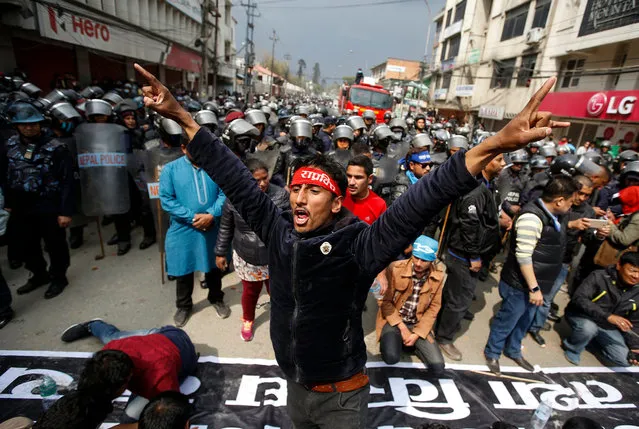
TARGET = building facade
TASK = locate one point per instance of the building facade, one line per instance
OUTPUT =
(490, 56)
(396, 71)
(97, 40)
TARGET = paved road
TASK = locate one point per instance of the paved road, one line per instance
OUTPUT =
(127, 291)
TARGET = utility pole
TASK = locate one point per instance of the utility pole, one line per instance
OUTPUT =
(204, 79)
(249, 57)
(274, 38)
(215, 50)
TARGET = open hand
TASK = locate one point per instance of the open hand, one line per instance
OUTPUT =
(530, 124)
(621, 323)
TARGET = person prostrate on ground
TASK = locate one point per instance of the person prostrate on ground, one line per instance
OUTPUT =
(322, 260)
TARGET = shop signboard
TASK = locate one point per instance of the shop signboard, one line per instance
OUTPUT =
(606, 15)
(608, 105)
(491, 112)
(464, 90)
(71, 24)
(440, 94)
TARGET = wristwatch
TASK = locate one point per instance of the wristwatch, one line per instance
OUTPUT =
(535, 289)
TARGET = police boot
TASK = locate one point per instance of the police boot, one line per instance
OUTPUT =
(56, 287)
(36, 281)
(124, 247)
(147, 242)
(113, 240)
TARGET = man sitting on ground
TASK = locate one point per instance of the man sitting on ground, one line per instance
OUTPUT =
(410, 306)
(601, 309)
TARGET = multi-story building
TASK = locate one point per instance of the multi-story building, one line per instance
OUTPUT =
(395, 71)
(460, 37)
(94, 40)
(509, 48)
(593, 48)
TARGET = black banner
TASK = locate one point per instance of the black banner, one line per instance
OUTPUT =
(602, 15)
(249, 393)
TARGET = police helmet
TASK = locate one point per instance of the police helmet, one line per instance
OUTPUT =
(98, 107)
(571, 165)
(317, 120)
(458, 141)
(462, 131)
(548, 151)
(255, 117)
(239, 128)
(283, 114)
(539, 162)
(30, 89)
(631, 170)
(388, 115)
(323, 110)
(206, 118)
(538, 144)
(518, 157)
(628, 156)
(398, 123)
(303, 110)
(437, 126)
(594, 157)
(126, 106)
(383, 132)
(343, 132)
(23, 112)
(267, 112)
(301, 128)
(64, 111)
(421, 140)
(606, 143)
(212, 106)
(369, 114)
(448, 125)
(356, 122)
(113, 97)
(170, 132)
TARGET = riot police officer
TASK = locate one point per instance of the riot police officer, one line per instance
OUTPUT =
(369, 118)
(512, 181)
(457, 143)
(342, 139)
(40, 196)
(301, 134)
(605, 147)
(359, 128)
(388, 117)
(207, 118)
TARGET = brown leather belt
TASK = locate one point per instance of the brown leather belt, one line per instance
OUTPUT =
(357, 381)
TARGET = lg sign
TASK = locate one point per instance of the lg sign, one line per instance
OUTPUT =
(599, 103)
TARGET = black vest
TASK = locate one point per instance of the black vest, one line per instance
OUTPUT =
(547, 256)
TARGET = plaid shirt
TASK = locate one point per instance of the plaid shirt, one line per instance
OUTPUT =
(409, 309)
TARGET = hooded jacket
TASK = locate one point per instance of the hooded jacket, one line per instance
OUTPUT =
(320, 280)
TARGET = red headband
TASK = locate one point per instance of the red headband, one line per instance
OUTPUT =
(313, 176)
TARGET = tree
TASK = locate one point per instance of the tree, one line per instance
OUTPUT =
(316, 74)
(300, 71)
(279, 67)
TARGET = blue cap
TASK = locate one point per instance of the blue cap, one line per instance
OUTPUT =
(420, 157)
(425, 248)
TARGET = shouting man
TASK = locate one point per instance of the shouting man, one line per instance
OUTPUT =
(323, 260)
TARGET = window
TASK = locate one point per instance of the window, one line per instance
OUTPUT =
(542, 8)
(227, 51)
(448, 17)
(453, 46)
(460, 10)
(368, 98)
(443, 55)
(446, 80)
(515, 22)
(438, 30)
(572, 70)
(526, 70)
(503, 73)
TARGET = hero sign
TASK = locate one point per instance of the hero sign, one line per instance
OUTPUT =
(598, 103)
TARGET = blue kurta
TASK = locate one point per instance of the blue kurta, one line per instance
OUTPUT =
(186, 191)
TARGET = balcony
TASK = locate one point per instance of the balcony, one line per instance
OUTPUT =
(453, 29)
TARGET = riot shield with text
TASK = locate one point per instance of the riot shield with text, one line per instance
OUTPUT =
(384, 171)
(154, 162)
(102, 161)
(341, 156)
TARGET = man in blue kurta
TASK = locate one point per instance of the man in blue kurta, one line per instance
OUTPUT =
(194, 202)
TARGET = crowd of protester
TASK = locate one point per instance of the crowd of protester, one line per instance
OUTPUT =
(392, 206)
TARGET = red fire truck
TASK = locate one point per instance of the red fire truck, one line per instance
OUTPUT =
(365, 96)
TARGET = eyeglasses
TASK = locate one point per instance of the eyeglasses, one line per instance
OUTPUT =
(426, 164)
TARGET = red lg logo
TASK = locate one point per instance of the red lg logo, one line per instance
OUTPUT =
(597, 104)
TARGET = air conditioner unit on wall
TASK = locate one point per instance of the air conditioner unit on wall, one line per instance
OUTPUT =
(534, 35)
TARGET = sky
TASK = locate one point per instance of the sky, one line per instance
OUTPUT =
(337, 34)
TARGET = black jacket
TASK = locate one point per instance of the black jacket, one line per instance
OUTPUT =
(474, 225)
(511, 186)
(584, 211)
(600, 296)
(245, 242)
(320, 281)
(547, 256)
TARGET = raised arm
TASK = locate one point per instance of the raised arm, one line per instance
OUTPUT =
(377, 246)
(209, 153)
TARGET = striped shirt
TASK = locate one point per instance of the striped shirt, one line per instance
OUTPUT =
(529, 228)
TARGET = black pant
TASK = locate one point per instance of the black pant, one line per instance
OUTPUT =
(5, 296)
(184, 289)
(35, 229)
(139, 211)
(457, 297)
(391, 345)
(15, 240)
